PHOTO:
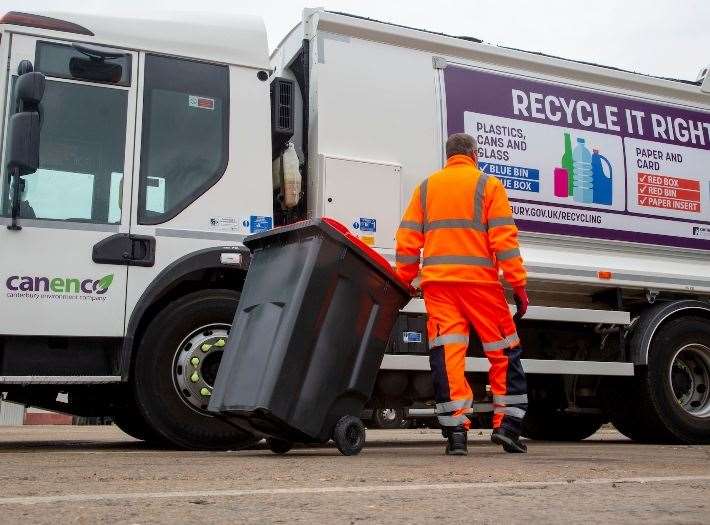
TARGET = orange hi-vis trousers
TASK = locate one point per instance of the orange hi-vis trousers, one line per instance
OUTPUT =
(452, 308)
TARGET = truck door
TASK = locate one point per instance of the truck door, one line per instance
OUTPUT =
(62, 273)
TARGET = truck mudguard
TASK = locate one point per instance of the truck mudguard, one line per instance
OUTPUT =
(653, 318)
(168, 279)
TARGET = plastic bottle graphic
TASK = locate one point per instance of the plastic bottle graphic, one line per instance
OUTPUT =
(583, 185)
(568, 163)
(602, 184)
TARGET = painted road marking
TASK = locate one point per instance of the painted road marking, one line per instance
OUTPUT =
(64, 498)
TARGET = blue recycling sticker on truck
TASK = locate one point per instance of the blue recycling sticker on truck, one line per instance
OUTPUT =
(259, 223)
(412, 337)
(366, 224)
(514, 177)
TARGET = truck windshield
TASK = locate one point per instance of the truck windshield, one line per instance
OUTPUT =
(82, 150)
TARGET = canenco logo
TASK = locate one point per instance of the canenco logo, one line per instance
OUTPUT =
(64, 285)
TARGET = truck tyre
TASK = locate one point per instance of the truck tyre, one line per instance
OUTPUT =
(669, 399)
(628, 410)
(676, 384)
(129, 419)
(133, 425)
(175, 366)
(389, 418)
(549, 424)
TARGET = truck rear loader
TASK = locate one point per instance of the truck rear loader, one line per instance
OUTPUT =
(165, 141)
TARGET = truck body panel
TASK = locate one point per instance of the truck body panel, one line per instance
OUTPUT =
(401, 111)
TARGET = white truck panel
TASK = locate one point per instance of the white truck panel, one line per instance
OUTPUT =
(360, 194)
(396, 113)
(215, 37)
(245, 184)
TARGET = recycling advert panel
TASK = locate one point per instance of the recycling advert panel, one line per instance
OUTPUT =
(584, 163)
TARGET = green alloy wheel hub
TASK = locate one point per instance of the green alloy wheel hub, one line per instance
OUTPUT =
(196, 363)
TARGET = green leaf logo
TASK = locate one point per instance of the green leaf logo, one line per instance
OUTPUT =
(105, 281)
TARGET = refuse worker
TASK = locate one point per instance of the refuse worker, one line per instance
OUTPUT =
(461, 219)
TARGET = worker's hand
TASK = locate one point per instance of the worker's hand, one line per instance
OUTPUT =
(520, 294)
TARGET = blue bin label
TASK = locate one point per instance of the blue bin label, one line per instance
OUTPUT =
(412, 337)
(259, 223)
(367, 225)
(514, 177)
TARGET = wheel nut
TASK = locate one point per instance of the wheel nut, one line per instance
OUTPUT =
(220, 343)
(195, 377)
(195, 361)
(205, 392)
(206, 347)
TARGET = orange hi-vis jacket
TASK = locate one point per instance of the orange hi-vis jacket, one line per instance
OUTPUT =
(462, 220)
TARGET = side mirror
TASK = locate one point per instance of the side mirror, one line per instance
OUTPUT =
(22, 152)
(29, 91)
(95, 70)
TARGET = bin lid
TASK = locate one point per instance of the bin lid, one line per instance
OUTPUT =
(340, 233)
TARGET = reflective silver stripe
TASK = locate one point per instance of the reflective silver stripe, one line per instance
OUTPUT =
(478, 199)
(411, 225)
(495, 345)
(512, 340)
(453, 223)
(466, 260)
(452, 421)
(450, 406)
(506, 342)
(422, 199)
(501, 221)
(510, 411)
(508, 254)
(510, 400)
(448, 339)
(407, 259)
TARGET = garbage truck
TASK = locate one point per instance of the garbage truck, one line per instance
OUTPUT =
(166, 140)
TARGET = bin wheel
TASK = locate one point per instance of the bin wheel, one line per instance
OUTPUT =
(349, 435)
(279, 446)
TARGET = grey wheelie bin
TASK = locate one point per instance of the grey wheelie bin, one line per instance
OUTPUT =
(310, 332)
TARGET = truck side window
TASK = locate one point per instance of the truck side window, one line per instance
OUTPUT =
(82, 153)
(185, 137)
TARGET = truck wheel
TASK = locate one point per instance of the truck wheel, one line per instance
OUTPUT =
(175, 367)
(669, 399)
(676, 383)
(132, 423)
(389, 418)
(628, 411)
(548, 424)
(136, 427)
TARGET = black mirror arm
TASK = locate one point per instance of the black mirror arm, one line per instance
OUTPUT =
(98, 53)
(15, 206)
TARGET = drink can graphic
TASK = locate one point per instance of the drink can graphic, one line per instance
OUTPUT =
(561, 182)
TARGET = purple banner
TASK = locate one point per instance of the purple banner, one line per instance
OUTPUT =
(585, 163)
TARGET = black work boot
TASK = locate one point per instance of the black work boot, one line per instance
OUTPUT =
(457, 441)
(511, 442)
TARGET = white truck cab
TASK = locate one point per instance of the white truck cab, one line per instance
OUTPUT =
(164, 142)
(152, 169)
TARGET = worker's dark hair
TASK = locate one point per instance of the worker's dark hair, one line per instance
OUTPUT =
(461, 144)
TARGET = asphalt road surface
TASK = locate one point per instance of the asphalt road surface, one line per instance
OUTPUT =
(97, 474)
